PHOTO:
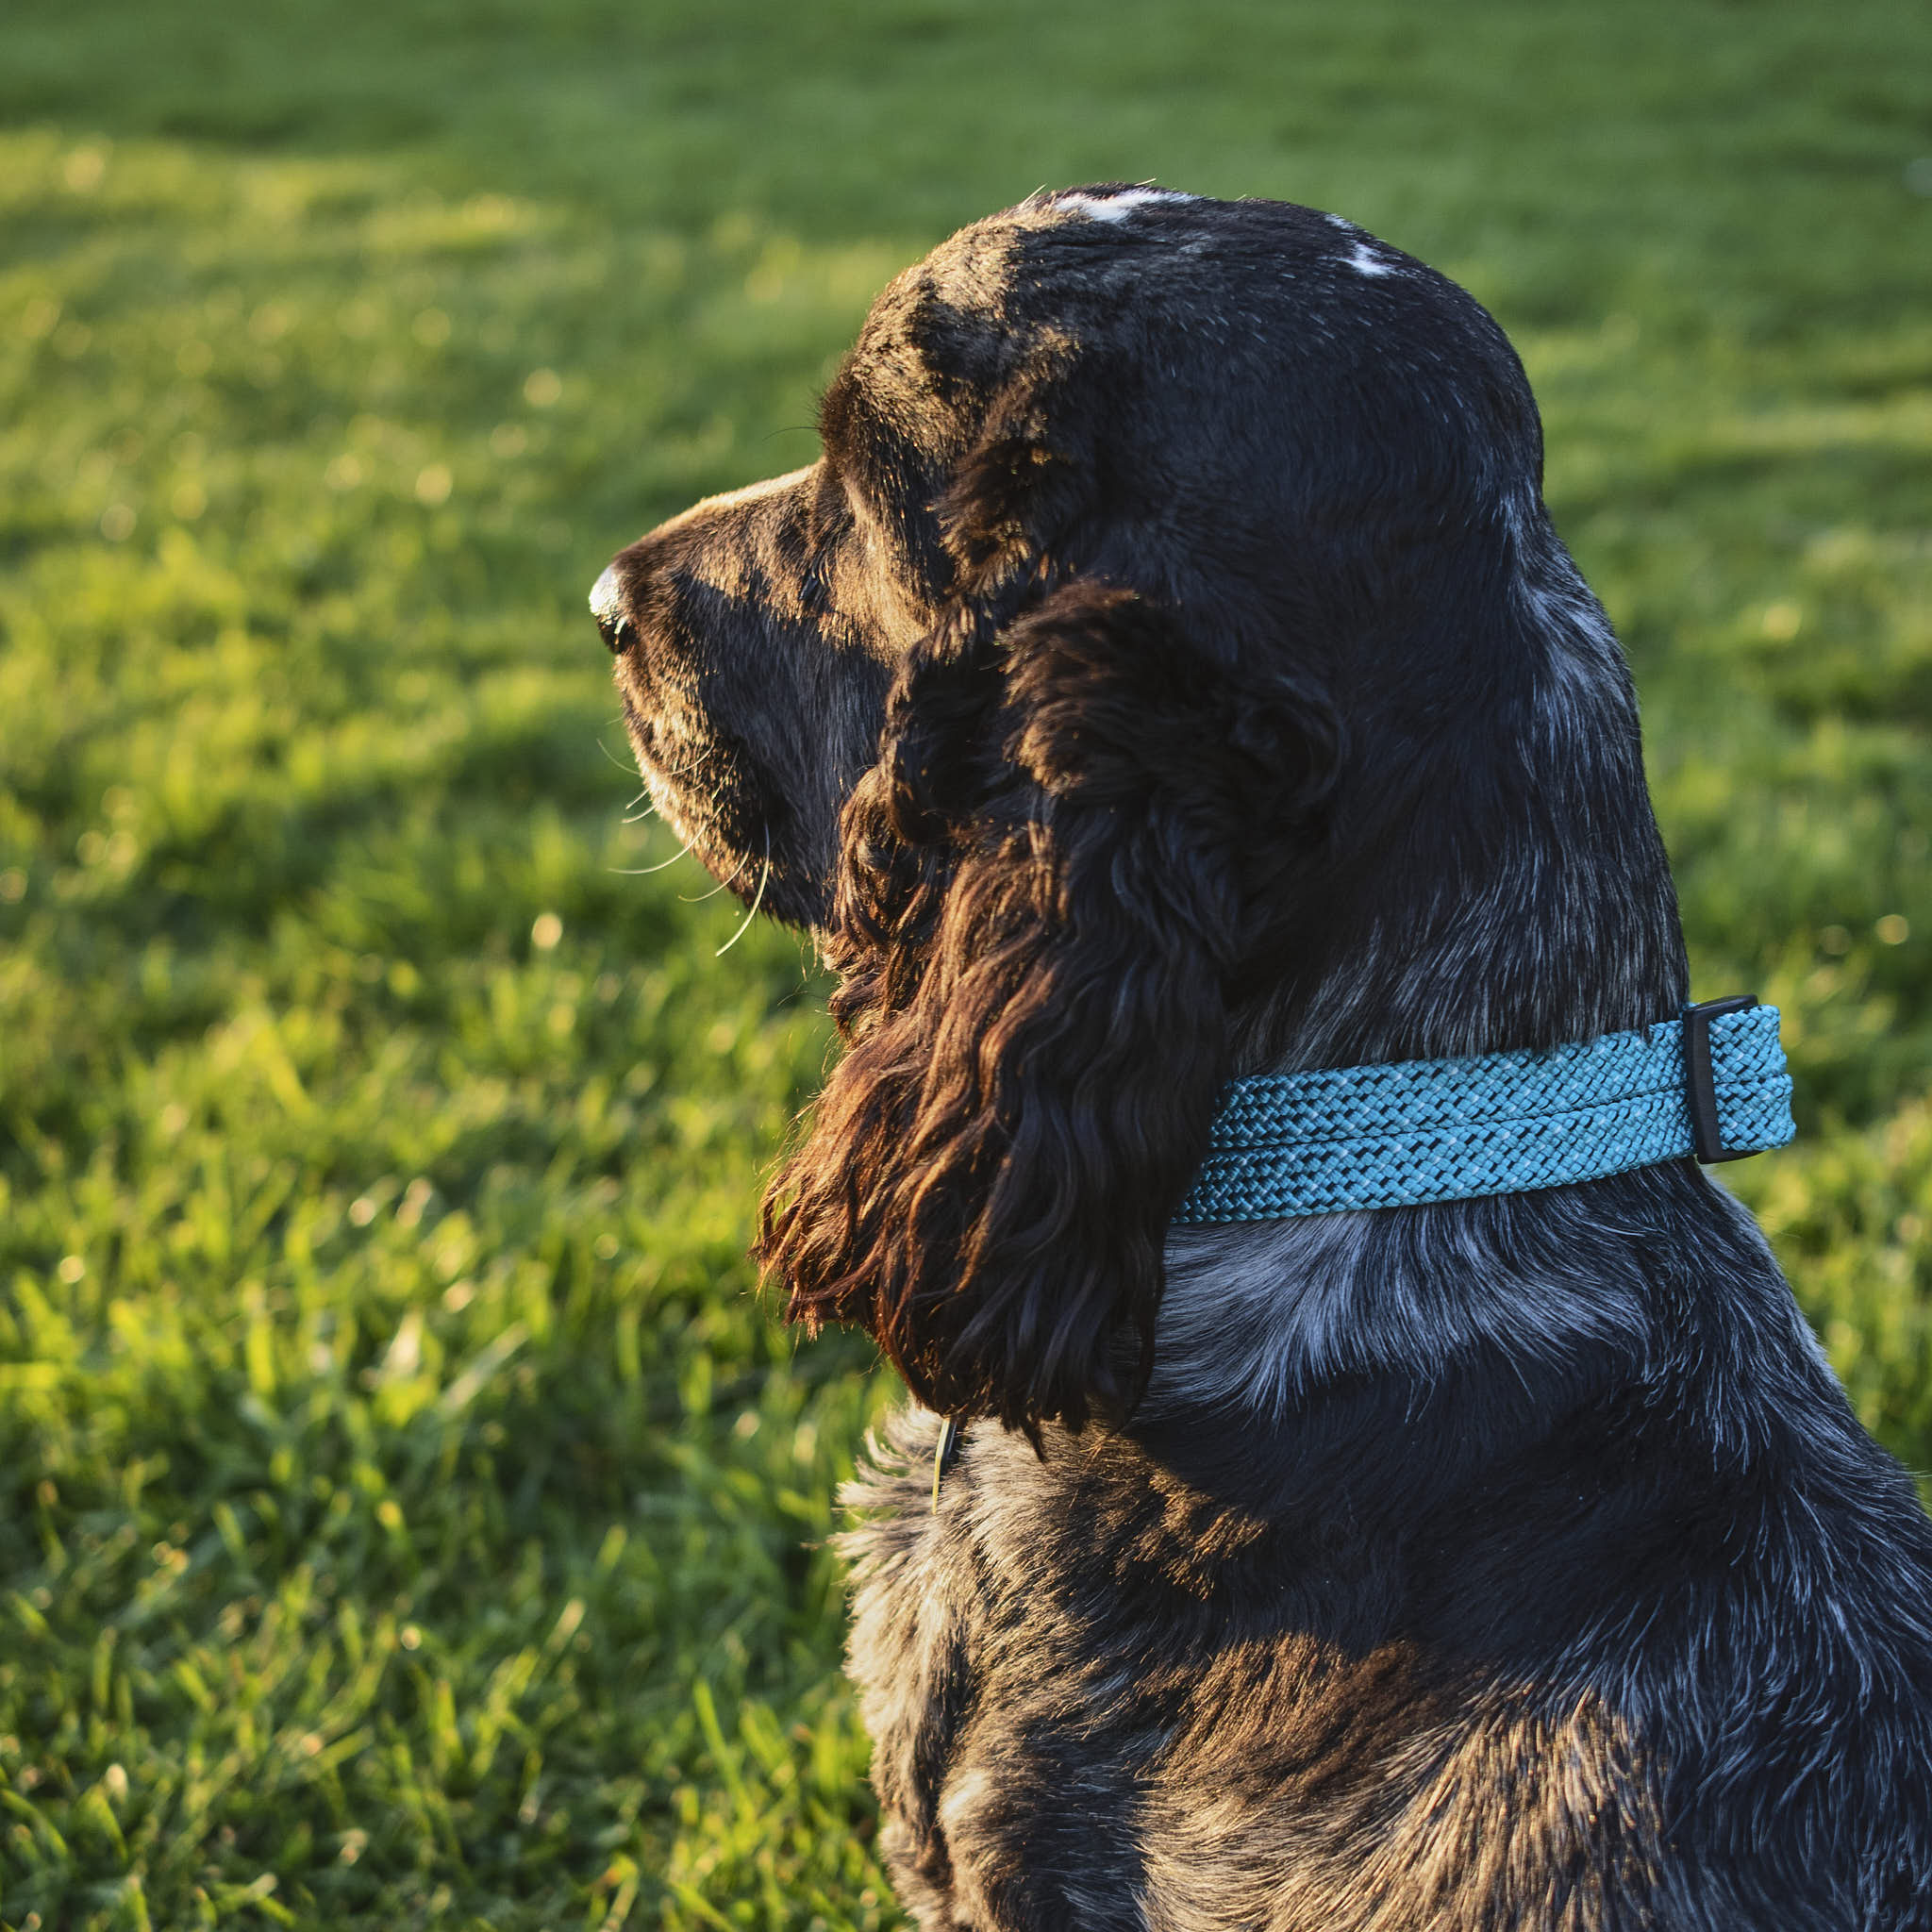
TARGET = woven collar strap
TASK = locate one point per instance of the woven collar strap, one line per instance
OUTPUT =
(1711, 1084)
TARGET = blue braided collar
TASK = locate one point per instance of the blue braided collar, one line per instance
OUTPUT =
(1711, 1084)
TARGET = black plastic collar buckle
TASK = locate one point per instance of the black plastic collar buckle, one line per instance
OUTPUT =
(1700, 1078)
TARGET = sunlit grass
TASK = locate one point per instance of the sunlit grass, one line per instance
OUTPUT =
(412, 1519)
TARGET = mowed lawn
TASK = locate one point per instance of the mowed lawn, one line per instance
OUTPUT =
(409, 1517)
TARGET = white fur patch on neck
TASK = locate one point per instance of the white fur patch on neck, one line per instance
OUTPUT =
(1365, 261)
(1117, 208)
(1259, 1313)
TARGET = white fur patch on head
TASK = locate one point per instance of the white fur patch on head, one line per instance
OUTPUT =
(1117, 208)
(1365, 261)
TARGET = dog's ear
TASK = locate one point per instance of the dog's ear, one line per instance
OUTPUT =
(1043, 901)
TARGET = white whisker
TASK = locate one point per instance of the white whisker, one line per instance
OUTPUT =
(701, 897)
(638, 871)
(704, 751)
(757, 899)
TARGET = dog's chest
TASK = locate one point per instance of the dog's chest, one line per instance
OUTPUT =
(1099, 1697)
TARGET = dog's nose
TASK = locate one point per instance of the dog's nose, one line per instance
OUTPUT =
(606, 607)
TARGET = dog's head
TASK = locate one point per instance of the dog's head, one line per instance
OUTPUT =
(1167, 669)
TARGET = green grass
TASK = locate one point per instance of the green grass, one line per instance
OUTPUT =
(409, 1518)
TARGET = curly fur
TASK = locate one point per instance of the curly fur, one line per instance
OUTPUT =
(1170, 670)
(1033, 1006)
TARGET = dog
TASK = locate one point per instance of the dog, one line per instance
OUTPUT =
(1169, 673)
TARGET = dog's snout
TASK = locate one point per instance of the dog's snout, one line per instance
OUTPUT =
(606, 607)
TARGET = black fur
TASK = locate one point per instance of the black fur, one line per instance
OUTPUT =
(1170, 670)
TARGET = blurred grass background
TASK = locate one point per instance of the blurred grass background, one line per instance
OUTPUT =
(409, 1517)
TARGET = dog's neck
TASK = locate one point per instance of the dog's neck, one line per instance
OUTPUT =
(1258, 1314)
(1259, 1317)
(1566, 929)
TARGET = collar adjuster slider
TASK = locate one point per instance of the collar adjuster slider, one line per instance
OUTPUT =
(1700, 1079)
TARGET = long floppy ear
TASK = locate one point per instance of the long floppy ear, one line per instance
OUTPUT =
(1044, 900)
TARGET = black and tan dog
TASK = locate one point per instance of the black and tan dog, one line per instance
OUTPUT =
(1169, 672)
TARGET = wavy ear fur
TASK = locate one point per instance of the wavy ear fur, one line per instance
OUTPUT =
(1041, 901)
